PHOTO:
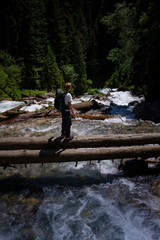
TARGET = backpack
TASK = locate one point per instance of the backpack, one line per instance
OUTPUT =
(59, 100)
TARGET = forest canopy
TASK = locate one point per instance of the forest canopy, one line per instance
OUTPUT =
(93, 44)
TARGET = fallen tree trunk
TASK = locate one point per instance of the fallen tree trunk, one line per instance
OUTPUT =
(85, 106)
(22, 117)
(75, 155)
(79, 141)
(51, 114)
(95, 116)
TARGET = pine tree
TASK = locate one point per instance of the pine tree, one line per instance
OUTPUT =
(52, 76)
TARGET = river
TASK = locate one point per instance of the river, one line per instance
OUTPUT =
(90, 201)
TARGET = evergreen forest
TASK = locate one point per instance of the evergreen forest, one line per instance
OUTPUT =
(93, 44)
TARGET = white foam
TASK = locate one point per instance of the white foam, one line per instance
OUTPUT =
(122, 98)
(51, 99)
(39, 130)
(128, 183)
(33, 107)
(7, 105)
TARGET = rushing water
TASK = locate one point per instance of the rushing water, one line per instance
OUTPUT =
(88, 202)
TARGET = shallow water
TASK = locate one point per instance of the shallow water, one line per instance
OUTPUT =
(92, 201)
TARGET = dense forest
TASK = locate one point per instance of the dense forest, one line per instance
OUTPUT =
(93, 44)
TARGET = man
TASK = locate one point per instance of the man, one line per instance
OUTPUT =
(67, 112)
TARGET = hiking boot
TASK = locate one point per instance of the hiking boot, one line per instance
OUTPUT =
(69, 138)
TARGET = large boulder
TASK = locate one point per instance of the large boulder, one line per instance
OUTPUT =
(148, 111)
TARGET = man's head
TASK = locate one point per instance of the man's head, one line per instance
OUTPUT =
(68, 86)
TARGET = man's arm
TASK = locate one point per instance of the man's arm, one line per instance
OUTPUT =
(71, 109)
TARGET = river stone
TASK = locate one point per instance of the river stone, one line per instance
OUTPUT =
(134, 167)
(2, 117)
(156, 188)
(148, 111)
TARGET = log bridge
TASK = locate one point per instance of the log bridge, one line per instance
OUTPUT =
(24, 150)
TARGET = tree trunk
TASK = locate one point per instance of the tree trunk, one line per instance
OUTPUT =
(86, 106)
(79, 141)
(75, 155)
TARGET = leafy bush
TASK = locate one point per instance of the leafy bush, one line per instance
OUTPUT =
(95, 92)
(32, 92)
(10, 75)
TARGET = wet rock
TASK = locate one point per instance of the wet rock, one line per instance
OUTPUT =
(122, 88)
(30, 101)
(106, 109)
(112, 104)
(27, 233)
(134, 167)
(148, 111)
(133, 103)
(156, 188)
(2, 117)
(49, 94)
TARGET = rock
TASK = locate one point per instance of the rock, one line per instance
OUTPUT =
(148, 111)
(122, 88)
(112, 104)
(106, 109)
(2, 117)
(134, 167)
(49, 94)
(133, 103)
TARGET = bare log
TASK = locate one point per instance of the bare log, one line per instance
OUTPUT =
(85, 106)
(79, 141)
(51, 114)
(74, 155)
(95, 116)
(22, 117)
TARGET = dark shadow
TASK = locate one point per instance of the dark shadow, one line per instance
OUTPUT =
(59, 142)
(56, 142)
(53, 139)
(17, 183)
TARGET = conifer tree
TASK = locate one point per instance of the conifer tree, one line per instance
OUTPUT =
(52, 76)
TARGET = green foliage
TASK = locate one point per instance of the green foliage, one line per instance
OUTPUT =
(146, 61)
(52, 75)
(52, 42)
(32, 92)
(10, 75)
(69, 74)
(89, 83)
(121, 24)
(95, 92)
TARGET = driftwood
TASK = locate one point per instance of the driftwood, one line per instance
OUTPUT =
(22, 116)
(86, 106)
(16, 115)
(95, 116)
(75, 155)
(31, 99)
(79, 141)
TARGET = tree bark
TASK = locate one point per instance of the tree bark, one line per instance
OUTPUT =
(26, 116)
(75, 155)
(79, 141)
(85, 106)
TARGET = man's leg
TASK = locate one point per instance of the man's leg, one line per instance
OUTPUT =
(63, 124)
(67, 123)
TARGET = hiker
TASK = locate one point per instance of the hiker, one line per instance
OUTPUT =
(67, 112)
